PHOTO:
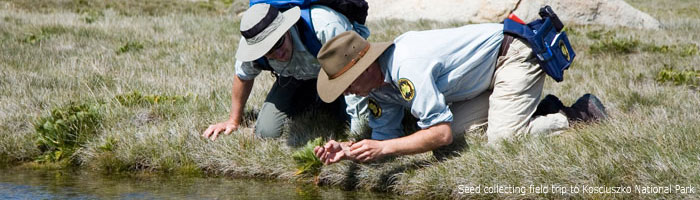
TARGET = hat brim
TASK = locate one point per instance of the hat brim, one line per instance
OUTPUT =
(249, 52)
(330, 89)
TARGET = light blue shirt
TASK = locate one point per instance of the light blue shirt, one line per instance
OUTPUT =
(442, 66)
(304, 66)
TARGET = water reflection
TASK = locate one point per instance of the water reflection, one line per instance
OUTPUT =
(65, 184)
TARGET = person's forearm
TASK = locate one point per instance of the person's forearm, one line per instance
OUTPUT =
(239, 96)
(421, 141)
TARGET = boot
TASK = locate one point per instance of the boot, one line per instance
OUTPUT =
(588, 108)
(549, 105)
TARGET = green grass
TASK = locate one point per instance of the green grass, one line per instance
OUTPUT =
(161, 71)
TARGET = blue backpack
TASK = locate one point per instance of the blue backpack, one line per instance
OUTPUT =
(354, 10)
(547, 40)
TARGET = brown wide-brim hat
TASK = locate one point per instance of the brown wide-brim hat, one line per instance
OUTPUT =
(343, 59)
(262, 25)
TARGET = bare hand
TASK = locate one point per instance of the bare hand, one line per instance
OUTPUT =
(213, 131)
(332, 152)
(367, 150)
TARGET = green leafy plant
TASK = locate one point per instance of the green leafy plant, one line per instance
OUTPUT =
(598, 34)
(90, 16)
(306, 161)
(136, 98)
(130, 46)
(65, 129)
(35, 38)
(615, 46)
(677, 49)
(691, 78)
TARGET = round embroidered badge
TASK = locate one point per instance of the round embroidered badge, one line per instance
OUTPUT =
(406, 88)
(374, 108)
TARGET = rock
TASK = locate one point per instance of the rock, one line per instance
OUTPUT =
(605, 12)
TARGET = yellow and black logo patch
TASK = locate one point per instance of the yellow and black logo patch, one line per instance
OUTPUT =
(406, 88)
(374, 108)
(564, 50)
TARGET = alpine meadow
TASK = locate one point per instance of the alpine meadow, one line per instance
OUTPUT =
(128, 86)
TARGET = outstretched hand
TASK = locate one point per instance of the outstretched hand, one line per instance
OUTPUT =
(333, 152)
(367, 150)
(213, 131)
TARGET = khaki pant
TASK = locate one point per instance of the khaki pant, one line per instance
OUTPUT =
(508, 107)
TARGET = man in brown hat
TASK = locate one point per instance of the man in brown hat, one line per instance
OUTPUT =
(267, 32)
(451, 80)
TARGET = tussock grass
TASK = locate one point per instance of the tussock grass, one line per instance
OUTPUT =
(173, 78)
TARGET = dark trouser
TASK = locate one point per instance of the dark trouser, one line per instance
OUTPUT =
(287, 98)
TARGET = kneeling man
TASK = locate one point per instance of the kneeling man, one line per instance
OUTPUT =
(449, 79)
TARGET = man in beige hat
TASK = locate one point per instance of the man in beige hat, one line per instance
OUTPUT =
(267, 32)
(451, 80)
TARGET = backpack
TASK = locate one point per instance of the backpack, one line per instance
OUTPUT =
(354, 10)
(547, 39)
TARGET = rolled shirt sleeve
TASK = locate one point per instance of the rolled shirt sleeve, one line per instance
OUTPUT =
(246, 70)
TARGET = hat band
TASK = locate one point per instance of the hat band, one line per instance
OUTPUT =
(267, 31)
(272, 13)
(351, 63)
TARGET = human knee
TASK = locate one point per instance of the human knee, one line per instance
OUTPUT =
(268, 130)
(270, 121)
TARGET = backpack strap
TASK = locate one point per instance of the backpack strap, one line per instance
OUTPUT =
(307, 32)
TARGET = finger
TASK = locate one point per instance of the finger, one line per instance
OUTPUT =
(325, 159)
(229, 129)
(208, 131)
(218, 130)
(358, 151)
(363, 156)
(216, 133)
(318, 151)
(329, 144)
(357, 145)
(336, 158)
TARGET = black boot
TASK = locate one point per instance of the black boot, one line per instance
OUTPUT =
(588, 108)
(549, 105)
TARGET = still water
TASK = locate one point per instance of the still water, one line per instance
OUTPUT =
(65, 184)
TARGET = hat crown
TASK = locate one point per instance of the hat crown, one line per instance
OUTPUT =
(342, 52)
(254, 15)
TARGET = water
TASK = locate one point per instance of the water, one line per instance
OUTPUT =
(66, 184)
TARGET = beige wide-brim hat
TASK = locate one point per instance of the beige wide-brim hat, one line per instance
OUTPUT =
(343, 59)
(262, 25)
